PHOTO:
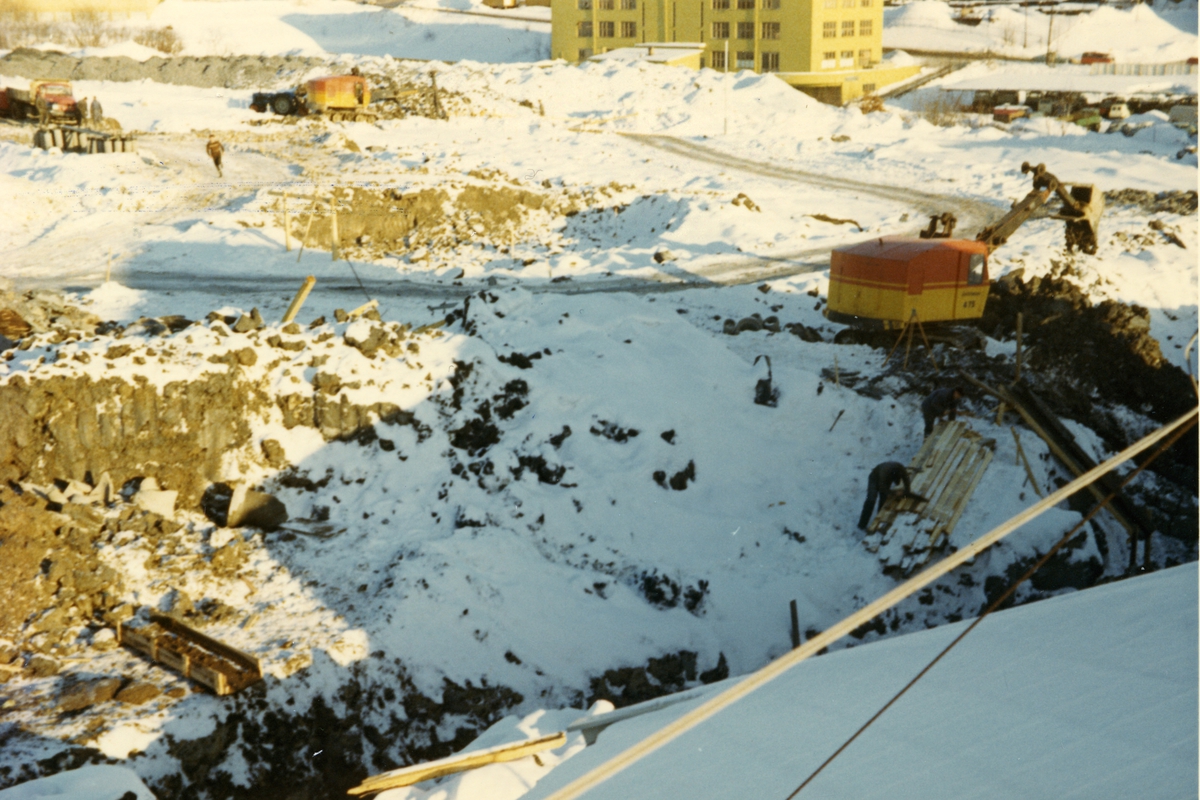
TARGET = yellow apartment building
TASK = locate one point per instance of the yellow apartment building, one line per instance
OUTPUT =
(831, 49)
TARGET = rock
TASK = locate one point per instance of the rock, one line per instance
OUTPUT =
(87, 693)
(13, 325)
(274, 453)
(104, 640)
(137, 693)
(255, 509)
(160, 502)
(179, 603)
(42, 667)
(327, 383)
(661, 256)
(103, 491)
(251, 322)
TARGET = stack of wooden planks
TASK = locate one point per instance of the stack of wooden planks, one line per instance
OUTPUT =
(909, 529)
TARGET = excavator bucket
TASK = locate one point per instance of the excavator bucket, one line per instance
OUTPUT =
(1083, 217)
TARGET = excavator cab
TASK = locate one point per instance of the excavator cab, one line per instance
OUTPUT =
(886, 282)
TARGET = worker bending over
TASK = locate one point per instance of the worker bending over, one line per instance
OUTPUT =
(940, 403)
(879, 486)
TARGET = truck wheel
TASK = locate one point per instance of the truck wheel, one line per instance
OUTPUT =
(282, 105)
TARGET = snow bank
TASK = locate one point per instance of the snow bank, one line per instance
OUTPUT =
(86, 783)
(1132, 35)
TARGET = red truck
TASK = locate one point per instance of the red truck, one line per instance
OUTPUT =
(45, 100)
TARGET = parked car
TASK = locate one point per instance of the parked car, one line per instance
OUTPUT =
(1008, 113)
(1117, 111)
(1095, 58)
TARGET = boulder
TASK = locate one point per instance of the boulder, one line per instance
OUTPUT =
(87, 693)
(161, 502)
(255, 509)
(137, 693)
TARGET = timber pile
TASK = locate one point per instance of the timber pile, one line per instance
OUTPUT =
(84, 140)
(223, 669)
(910, 528)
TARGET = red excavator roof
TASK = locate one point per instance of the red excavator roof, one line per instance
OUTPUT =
(906, 248)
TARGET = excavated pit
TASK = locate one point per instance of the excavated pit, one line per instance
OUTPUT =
(351, 715)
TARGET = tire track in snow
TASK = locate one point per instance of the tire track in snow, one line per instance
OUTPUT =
(972, 214)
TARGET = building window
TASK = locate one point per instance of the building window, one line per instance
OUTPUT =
(864, 58)
(606, 5)
(866, 3)
(718, 59)
(585, 5)
(847, 3)
(847, 27)
(720, 31)
(770, 62)
(846, 61)
(745, 60)
(585, 29)
(628, 5)
(585, 53)
(864, 27)
(720, 5)
(607, 30)
(771, 4)
(770, 30)
(745, 3)
(828, 59)
(745, 30)
(828, 30)
(628, 30)
(831, 3)
(868, 88)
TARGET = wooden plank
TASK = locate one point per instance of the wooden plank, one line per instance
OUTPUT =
(244, 660)
(458, 763)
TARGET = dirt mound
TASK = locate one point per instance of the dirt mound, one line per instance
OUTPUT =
(1106, 347)
(373, 223)
(234, 72)
(1173, 202)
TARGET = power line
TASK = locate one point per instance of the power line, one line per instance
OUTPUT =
(998, 601)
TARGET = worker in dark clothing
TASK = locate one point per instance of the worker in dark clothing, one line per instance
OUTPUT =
(879, 486)
(940, 403)
(215, 152)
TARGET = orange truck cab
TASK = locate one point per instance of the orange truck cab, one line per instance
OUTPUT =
(883, 282)
(338, 93)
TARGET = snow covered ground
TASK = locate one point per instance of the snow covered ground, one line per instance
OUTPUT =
(319, 27)
(557, 553)
(975, 726)
(1141, 34)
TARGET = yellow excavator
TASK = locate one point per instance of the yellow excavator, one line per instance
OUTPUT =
(887, 282)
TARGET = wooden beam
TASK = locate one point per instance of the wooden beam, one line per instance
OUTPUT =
(460, 762)
(668, 733)
(299, 299)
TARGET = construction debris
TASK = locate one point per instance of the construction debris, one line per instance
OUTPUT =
(911, 527)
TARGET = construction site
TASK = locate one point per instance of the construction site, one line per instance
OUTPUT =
(476, 430)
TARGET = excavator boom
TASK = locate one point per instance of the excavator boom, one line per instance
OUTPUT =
(1082, 207)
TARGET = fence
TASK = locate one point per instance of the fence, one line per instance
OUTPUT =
(1178, 68)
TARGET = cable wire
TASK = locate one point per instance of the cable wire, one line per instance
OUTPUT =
(1000, 600)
